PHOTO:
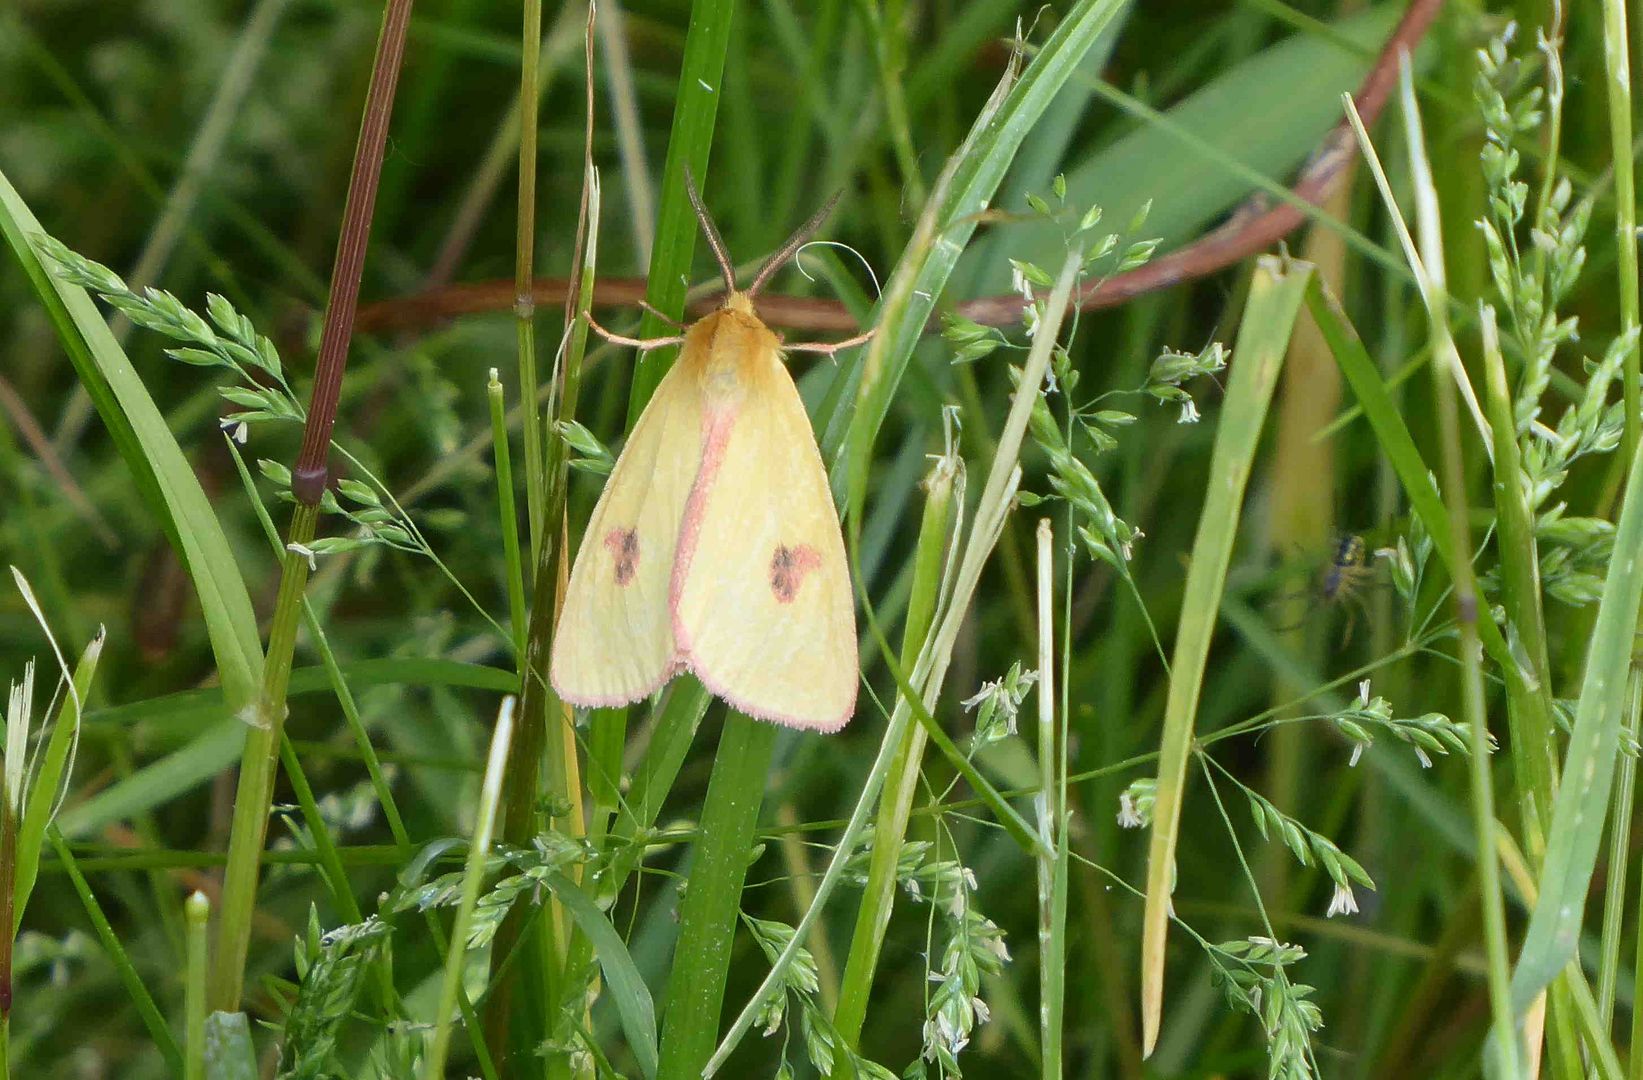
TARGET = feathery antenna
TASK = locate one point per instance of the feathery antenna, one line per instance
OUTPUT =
(711, 231)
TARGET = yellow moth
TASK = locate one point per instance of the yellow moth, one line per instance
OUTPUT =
(715, 548)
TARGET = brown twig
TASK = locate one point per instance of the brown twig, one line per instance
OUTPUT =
(1252, 228)
(17, 410)
(1255, 225)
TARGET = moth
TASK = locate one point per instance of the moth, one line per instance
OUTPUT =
(715, 547)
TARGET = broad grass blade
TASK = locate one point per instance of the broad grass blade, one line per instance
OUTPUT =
(1582, 798)
(150, 451)
(1269, 317)
(627, 987)
(965, 189)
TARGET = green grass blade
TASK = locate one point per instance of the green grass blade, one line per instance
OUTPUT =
(187, 712)
(1037, 163)
(936, 538)
(1399, 447)
(147, 445)
(217, 746)
(46, 790)
(707, 918)
(133, 982)
(479, 847)
(1533, 738)
(1269, 317)
(1617, 67)
(672, 733)
(319, 832)
(695, 111)
(158, 781)
(508, 514)
(1582, 799)
(622, 978)
(965, 188)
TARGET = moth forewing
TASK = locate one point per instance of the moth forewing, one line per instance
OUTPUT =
(762, 606)
(614, 643)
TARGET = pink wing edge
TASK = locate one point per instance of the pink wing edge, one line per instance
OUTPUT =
(826, 727)
(607, 701)
(717, 424)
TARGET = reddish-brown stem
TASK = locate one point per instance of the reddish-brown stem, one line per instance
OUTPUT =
(259, 759)
(309, 476)
(1252, 228)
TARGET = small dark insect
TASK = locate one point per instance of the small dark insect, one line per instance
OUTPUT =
(1342, 582)
(1347, 571)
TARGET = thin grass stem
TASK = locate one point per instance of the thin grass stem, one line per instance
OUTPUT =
(937, 545)
(479, 847)
(1052, 823)
(255, 789)
(1617, 45)
(1429, 271)
(509, 514)
(1529, 698)
(117, 955)
(888, 31)
(524, 300)
(197, 915)
(1614, 893)
(256, 779)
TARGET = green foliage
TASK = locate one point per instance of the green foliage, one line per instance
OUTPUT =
(1307, 845)
(1427, 734)
(973, 947)
(591, 456)
(1252, 975)
(330, 968)
(998, 702)
(234, 344)
(202, 150)
(521, 874)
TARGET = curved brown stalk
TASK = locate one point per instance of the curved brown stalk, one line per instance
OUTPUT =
(1253, 227)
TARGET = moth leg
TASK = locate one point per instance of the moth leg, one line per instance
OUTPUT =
(642, 344)
(828, 348)
(670, 320)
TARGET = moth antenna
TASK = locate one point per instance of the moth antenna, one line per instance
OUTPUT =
(794, 243)
(711, 231)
